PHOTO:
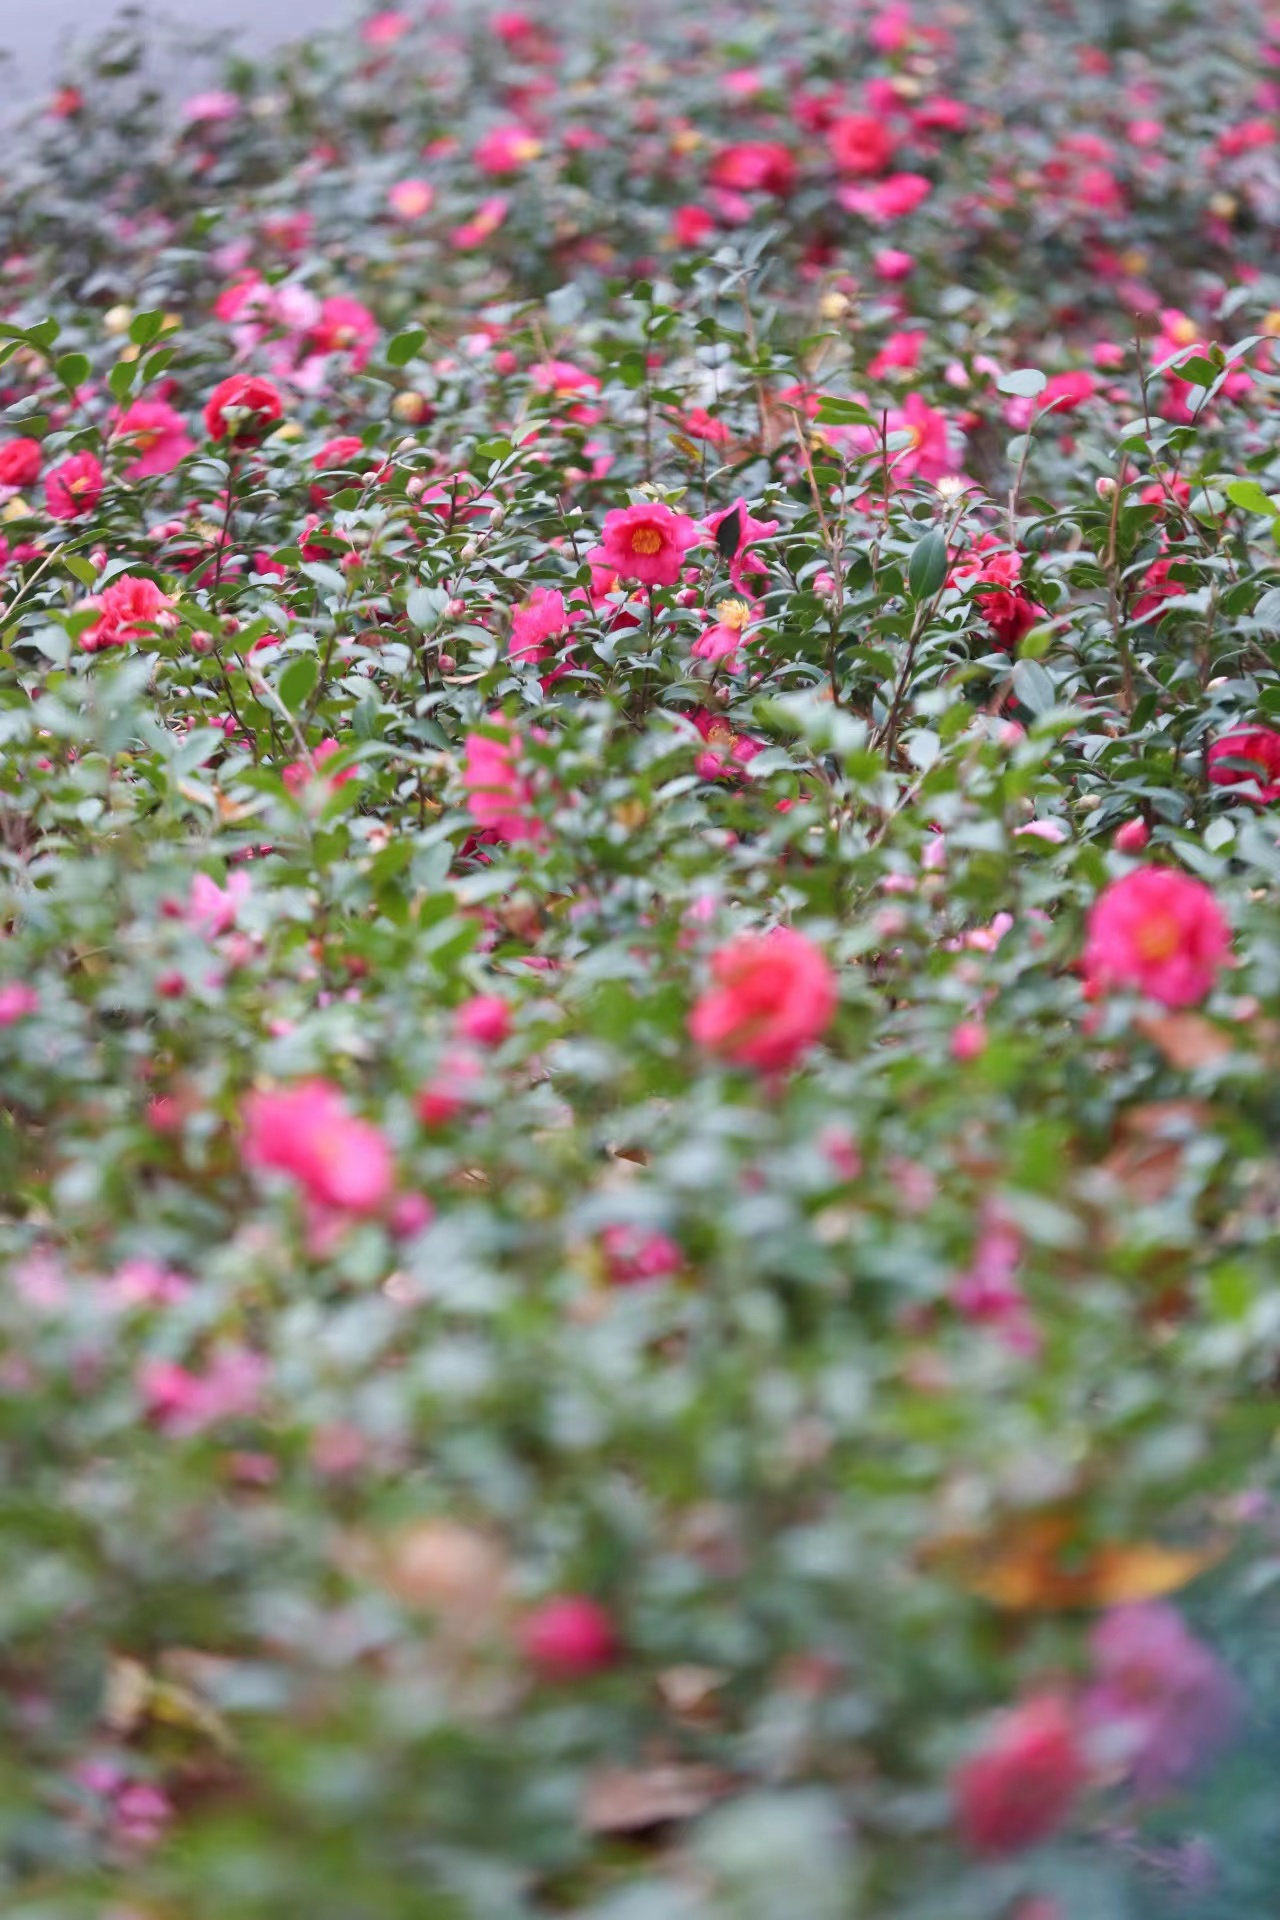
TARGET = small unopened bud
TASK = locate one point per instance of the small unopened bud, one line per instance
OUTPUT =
(469, 553)
(498, 516)
(1104, 486)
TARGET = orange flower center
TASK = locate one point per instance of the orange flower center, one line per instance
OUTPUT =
(144, 439)
(734, 614)
(1159, 938)
(646, 540)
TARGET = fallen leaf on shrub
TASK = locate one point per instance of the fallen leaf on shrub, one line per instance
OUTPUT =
(633, 1800)
(1041, 1565)
(1186, 1040)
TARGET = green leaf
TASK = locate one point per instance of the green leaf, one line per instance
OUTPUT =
(297, 683)
(927, 567)
(1033, 687)
(83, 570)
(146, 327)
(73, 370)
(1249, 495)
(845, 413)
(425, 606)
(121, 378)
(404, 346)
(1025, 382)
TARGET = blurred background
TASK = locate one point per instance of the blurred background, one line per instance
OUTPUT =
(37, 40)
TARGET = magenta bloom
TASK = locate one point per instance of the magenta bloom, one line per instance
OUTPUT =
(774, 996)
(157, 434)
(499, 796)
(1021, 1786)
(345, 326)
(127, 608)
(74, 487)
(305, 1131)
(569, 1637)
(17, 1000)
(1257, 752)
(542, 619)
(742, 560)
(647, 542)
(1159, 932)
(636, 1255)
(1162, 1704)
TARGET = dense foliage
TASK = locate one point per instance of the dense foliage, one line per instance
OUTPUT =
(640, 980)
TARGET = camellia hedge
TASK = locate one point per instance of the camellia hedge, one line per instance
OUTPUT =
(640, 973)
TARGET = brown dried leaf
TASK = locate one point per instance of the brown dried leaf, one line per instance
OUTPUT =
(1040, 1565)
(636, 1799)
(1186, 1040)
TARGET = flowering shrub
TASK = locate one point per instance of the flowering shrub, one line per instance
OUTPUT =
(639, 978)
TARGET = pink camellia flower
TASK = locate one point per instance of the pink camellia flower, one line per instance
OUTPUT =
(341, 1163)
(774, 997)
(485, 1020)
(1248, 757)
(507, 149)
(210, 108)
(385, 28)
(74, 487)
(899, 354)
(886, 200)
(127, 608)
(157, 434)
(1157, 589)
(892, 264)
(993, 574)
(860, 144)
(17, 1000)
(692, 226)
(742, 560)
(410, 199)
(345, 326)
(646, 542)
(569, 1637)
(1162, 1704)
(181, 1401)
(20, 462)
(499, 796)
(213, 908)
(483, 224)
(1132, 837)
(754, 166)
(721, 643)
(726, 751)
(1160, 932)
(1021, 1786)
(562, 377)
(542, 619)
(638, 1255)
(241, 409)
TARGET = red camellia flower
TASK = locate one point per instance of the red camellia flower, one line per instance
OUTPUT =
(569, 1637)
(241, 409)
(646, 542)
(774, 996)
(860, 144)
(1248, 757)
(20, 462)
(1020, 1787)
(1159, 932)
(75, 487)
(755, 166)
